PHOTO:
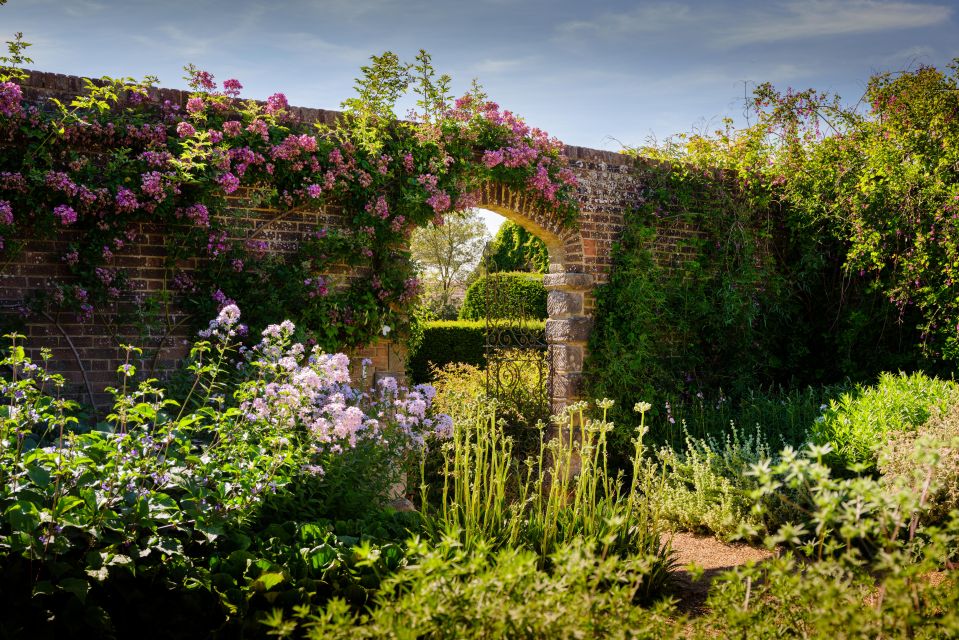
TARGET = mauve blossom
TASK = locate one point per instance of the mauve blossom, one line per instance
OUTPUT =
(185, 130)
(203, 80)
(259, 127)
(66, 214)
(156, 184)
(232, 87)
(194, 105)
(6, 212)
(439, 201)
(60, 181)
(232, 127)
(276, 103)
(126, 200)
(229, 182)
(10, 97)
(198, 214)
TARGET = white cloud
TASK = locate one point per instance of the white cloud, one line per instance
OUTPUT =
(491, 66)
(804, 19)
(649, 18)
(777, 22)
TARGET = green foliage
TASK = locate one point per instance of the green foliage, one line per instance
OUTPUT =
(926, 461)
(564, 492)
(455, 341)
(783, 416)
(460, 388)
(452, 592)
(516, 249)
(884, 182)
(860, 422)
(789, 598)
(189, 505)
(708, 488)
(505, 295)
(444, 255)
(697, 321)
(10, 64)
(757, 290)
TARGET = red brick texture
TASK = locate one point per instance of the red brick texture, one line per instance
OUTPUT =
(89, 352)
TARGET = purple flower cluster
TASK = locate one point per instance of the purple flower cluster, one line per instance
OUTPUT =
(198, 214)
(312, 390)
(232, 128)
(126, 200)
(6, 212)
(232, 87)
(10, 98)
(276, 104)
(158, 185)
(65, 214)
(185, 130)
(229, 182)
(194, 105)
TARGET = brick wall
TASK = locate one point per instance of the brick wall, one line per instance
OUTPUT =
(88, 352)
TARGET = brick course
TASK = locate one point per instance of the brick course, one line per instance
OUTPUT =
(88, 353)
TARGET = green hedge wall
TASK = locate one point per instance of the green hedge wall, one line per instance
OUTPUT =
(516, 290)
(446, 341)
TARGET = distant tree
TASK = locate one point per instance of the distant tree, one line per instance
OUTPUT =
(446, 255)
(516, 249)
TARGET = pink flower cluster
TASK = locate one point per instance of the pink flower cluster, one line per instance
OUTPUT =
(276, 104)
(438, 199)
(66, 214)
(198, 214)
(185, 130)
(6, 212)
(10, 98)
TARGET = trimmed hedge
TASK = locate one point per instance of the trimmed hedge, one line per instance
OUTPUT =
(516, 249)
(446, 341)
(516, 291)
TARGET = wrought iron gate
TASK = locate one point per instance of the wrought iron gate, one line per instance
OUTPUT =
(517, 355)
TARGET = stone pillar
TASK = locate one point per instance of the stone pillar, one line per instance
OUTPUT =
(567, 331)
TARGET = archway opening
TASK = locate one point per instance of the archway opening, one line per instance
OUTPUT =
(565, 287)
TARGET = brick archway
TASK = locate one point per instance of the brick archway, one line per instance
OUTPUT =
(568, 325)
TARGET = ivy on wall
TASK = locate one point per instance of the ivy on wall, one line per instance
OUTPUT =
(117, 157)
(753, 298)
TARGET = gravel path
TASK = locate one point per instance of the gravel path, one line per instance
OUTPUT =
(713, 556)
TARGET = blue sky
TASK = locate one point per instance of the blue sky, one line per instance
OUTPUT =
(597, 74)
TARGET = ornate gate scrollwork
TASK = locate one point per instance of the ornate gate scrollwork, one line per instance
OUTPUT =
(517, 355)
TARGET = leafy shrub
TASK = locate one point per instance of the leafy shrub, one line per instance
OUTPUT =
(707, 487)
(516, 249)
(457, 341)
(517, 295)
(453, 592)
(859, 422)
(927, 462)
(787, 597)
(93, 517)
(866, 567)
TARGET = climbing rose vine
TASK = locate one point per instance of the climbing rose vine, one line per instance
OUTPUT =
(119, 166)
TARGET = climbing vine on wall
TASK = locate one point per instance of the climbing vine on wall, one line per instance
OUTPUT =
(96, 169)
